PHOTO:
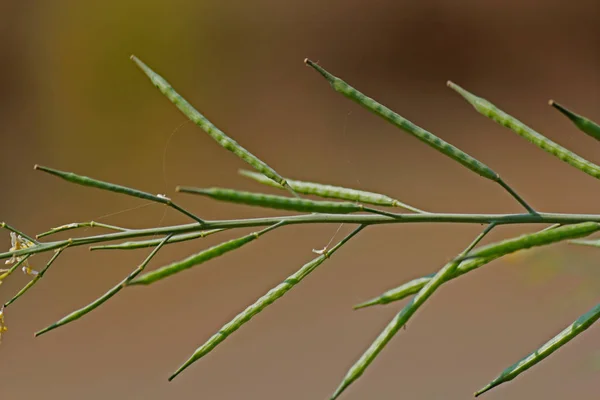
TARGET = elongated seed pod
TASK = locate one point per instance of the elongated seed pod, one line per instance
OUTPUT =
(139, 244)
(75, 315)
(535, 239)
(76, 225)
(485, 255)
(199, 258)
(266, 300)
(488, 109)
(219, 136)
(36, 278)
(587, 126)
(564, 337)
(111, 187)
(273, 201)
(395, 119)
(402, 318)
(333, 192)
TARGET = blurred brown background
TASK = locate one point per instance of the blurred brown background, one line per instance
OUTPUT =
(71, 99)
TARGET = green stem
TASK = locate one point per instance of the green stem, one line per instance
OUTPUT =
(499, 219)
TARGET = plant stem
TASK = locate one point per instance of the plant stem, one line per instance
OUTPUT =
(499, 219)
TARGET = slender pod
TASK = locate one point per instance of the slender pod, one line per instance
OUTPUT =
(111, 187)
(541, 238)
(75, 315)
(200, 258)
(402, 318)
(153, 242)
(485, 255)
(36, 278)
(425, 136)
(491, 111)
(273, 201)
(333, 192)
(219, 136)
(584, 124)
(76, 225)
(266, 300)
(429, 138)
(558, 341)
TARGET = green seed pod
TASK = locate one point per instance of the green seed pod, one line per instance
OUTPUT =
(491, 111)
(75, 315)
(427, 137)
(564, 337)
(403, 316)
(272, 201)
(535, 239)
(111, 187)
(219, 136)
(333, 192)
(199, 258)
(266, 300)
(154, 242)
(487, 254)
(587, 126)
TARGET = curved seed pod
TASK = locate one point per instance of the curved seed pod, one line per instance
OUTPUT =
(153, 242)
(491, 111)
(199, 258)
(272, 201)
(111, 187)
(402, 318)
(219, 136)
(564, 337)
(270, 297)
(395, 119)
(333, 192)
(535, 239)
(75, 315)
(587, 126)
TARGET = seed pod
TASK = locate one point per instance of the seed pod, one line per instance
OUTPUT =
(487, 254)
(75, 315)
(271, 296)
(535, 239)
(219, 136)
(111, 187)
(491, 111)
(272, 201)
(585, 125)
(564, 337)
(333, 192)
(153, 242)
(199, 258)
(403, 316)
(427, 137)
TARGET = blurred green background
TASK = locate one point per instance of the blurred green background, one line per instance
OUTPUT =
(71, 99)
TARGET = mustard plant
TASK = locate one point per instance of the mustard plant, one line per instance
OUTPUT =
(344, 205)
